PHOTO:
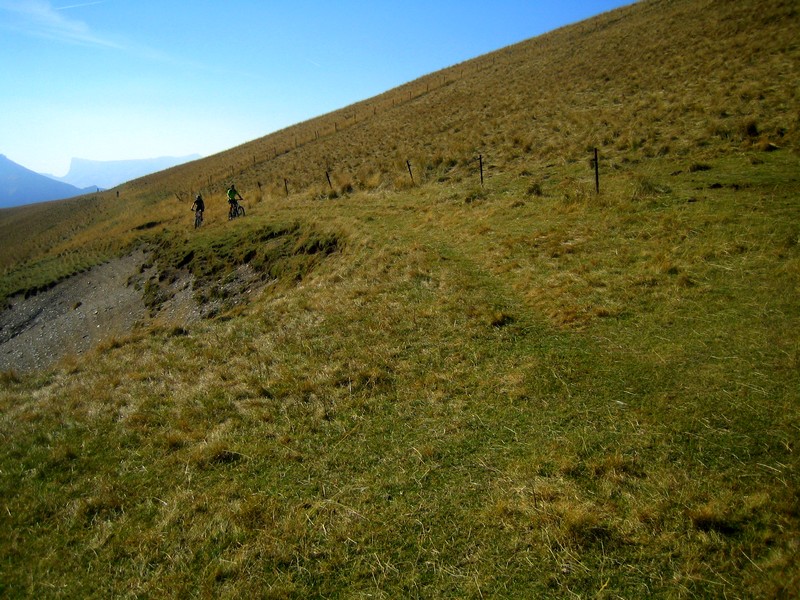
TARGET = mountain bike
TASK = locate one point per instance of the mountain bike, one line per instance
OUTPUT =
(198, 218)
(236, 210)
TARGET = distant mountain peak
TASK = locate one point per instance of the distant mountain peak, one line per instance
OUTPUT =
(84, 172)
(19, 185)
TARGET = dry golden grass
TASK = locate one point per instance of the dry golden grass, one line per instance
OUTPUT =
(633, 86)
(520, 389)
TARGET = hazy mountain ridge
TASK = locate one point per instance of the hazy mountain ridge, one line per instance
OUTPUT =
(110, 173)
(19, 185)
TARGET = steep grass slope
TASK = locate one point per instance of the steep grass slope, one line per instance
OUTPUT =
(448, 389)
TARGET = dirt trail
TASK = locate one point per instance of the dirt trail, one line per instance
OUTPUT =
(79, 313)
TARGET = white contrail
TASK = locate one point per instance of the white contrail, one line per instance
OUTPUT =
(39, 18)
(78, 5)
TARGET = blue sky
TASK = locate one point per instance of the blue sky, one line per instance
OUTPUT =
(124, 79)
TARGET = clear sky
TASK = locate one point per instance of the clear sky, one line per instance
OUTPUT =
(124, 79)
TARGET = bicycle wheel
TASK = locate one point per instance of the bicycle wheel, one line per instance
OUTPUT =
(240, 210)
(198, 220)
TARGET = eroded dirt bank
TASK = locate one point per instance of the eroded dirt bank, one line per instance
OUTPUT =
(81, 312)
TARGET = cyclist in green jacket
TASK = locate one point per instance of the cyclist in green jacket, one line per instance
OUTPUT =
(232, 195)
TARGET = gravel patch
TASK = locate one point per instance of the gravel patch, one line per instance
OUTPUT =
(81, 312)
(106, 302)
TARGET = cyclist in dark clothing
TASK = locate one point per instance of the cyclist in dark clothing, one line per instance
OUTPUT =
(199, 207)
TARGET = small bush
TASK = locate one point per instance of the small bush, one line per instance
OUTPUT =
(475, 195)
(750, 129)
(712, 517)
(535, 189)
(646, 188)
(501, 319)
(8, 377)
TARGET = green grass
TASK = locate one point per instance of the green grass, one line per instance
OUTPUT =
(521, 389)
(511, 396)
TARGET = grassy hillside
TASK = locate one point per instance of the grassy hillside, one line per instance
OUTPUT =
(441, 388)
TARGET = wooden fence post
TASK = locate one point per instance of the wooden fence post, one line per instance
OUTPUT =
(596, 172)
(408, 164)
(328, 177)
(286, 185)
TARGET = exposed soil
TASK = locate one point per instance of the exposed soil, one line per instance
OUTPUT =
(79, 313)
(111, 301)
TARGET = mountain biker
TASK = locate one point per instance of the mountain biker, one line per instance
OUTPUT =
(199, 205)
(232, 194)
